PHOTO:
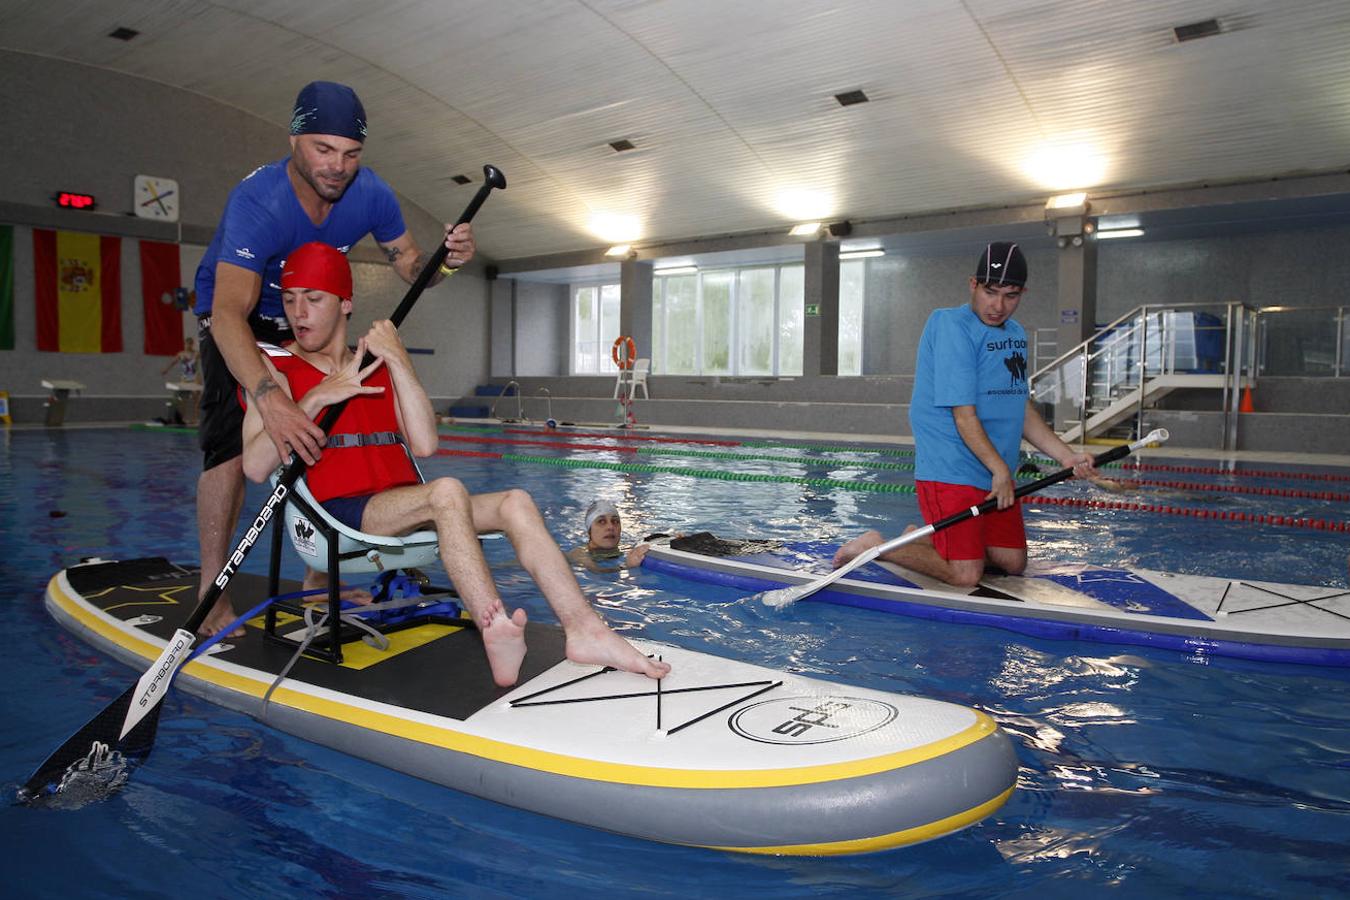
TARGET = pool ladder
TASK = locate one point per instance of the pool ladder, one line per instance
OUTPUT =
(520, 403)
(548, 402)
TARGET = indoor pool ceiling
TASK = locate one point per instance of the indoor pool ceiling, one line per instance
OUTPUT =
(730, 105)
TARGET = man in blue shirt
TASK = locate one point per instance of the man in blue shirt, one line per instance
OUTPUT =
(969, 412)
(318, 193)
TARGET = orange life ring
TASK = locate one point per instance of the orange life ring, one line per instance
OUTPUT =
(621, 359)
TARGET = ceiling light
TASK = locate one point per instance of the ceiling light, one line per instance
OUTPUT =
(619, 250)
(1067, 201)
(1120, 233)
(805, 229)
(1066, 165)
(613, 228)
(804, 205)
(861, 254)
(677, 270)
(622, 145)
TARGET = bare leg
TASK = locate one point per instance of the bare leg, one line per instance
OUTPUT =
(922, 557)
(458, 518)
(315, 580)
(220, 495)
(446, 504)
(589, 639)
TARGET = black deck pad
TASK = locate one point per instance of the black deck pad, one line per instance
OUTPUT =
(448, 676)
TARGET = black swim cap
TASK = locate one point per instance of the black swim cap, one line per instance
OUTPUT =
(1002, 263)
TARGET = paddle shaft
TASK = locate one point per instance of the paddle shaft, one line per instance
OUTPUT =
(296, 466)
(991, 505)
(784, 596)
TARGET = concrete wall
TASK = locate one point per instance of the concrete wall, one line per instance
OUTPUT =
(903, 290)
(72, 127)
(541, 340)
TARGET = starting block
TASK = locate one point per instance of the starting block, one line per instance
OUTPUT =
(56, 402)
(186, 396)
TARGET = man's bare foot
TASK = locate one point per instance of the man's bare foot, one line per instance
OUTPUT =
(860, 544)
(504, 640)
(318, 581)
(221, 614)
(597, 645)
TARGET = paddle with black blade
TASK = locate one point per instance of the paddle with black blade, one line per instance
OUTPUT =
(98, 757)
(787, 596)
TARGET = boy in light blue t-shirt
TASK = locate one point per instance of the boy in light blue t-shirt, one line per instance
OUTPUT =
(969, 412)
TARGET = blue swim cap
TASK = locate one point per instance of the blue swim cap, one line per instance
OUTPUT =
(326, 107)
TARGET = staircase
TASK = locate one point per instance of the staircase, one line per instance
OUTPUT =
(1105, 385)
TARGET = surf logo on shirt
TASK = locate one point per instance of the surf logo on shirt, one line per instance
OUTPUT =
(811, 720)
(1015, 362)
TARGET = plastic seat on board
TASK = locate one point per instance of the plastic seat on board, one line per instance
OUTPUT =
(327, 545)
(357, 551)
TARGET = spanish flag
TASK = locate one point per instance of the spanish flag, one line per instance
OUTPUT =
(159, 281)
(78, 285)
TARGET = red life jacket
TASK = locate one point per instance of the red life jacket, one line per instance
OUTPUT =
(362, 457)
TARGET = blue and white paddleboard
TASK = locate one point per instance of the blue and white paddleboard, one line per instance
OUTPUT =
(1265, 621)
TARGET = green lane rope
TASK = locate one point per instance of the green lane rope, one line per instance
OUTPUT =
(773, 457)
(716, 474)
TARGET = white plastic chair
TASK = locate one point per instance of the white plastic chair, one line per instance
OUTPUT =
(634, 378)
(356, 551)
(327, 545)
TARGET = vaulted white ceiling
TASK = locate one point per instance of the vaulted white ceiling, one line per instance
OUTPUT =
(730, 103)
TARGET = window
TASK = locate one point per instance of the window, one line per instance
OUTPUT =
(729, 322)
(852, 290)
(595, 326)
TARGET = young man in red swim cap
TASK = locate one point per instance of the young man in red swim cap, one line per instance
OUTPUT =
(365, 480)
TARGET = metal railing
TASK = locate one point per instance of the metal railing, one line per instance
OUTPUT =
(1127, 355)
(1303, 341)
(520, 403)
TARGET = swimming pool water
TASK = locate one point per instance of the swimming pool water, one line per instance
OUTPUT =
(1151, 773)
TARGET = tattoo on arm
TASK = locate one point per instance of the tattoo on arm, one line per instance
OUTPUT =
(265, 387)
(392, 253)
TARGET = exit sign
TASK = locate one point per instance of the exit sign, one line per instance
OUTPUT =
(72, 200)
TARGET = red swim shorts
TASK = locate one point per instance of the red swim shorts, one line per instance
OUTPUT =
(968, 540)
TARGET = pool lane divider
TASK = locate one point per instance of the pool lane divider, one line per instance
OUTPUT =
(888, 488)
(565, 435)
(1212, 470)
(1223, 514)
(715, 474)
(879, 464)
(671, 451)
(901, 451)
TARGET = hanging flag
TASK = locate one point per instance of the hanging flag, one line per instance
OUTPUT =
(6, 287)
(78, 285)
(159, 281)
